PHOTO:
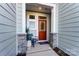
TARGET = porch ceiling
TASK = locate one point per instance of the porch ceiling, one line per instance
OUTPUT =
(38, 7)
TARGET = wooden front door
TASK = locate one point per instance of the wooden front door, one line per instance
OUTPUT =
(42, 28)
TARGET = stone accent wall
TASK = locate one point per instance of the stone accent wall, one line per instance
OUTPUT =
(22, 44)
(53, 40)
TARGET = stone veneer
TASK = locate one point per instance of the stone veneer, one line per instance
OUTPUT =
(22, 44)
(53, 40)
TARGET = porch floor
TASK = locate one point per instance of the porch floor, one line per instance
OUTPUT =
(41, 50)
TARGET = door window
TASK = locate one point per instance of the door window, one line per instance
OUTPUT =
(42, 26)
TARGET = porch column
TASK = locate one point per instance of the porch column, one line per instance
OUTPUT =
(54, 27)
(21, 33)
(23, 18)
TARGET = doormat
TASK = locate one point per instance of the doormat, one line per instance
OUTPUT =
(60, 52)
(43, 43)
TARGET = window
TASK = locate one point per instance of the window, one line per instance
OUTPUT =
(42, 17)
(31, 24)
(31, 17)
(33, 32)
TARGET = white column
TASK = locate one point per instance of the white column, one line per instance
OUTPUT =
(54, 24)
(54, 19)
(21, 22)
(23, 18)
(19, 18)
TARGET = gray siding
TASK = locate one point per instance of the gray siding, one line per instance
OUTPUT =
(7, 29)
(68, 36)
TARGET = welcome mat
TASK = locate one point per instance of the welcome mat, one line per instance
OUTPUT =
(43, 43)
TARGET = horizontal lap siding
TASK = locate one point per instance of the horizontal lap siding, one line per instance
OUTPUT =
(68, 28)
(7, 29)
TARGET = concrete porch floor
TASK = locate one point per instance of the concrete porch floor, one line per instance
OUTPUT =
(41, 50)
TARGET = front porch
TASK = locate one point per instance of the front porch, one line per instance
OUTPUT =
(41, 50)
(34, 13)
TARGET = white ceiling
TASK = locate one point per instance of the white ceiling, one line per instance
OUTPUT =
(35, 7)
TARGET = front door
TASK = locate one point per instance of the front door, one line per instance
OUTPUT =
(42, 25)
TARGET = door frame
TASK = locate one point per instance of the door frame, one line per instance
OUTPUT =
(37, 15)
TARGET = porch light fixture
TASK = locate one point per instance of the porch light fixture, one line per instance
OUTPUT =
(40, 8)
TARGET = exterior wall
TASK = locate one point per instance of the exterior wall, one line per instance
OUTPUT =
(36, 21)
(7, 29)
(68, 36)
